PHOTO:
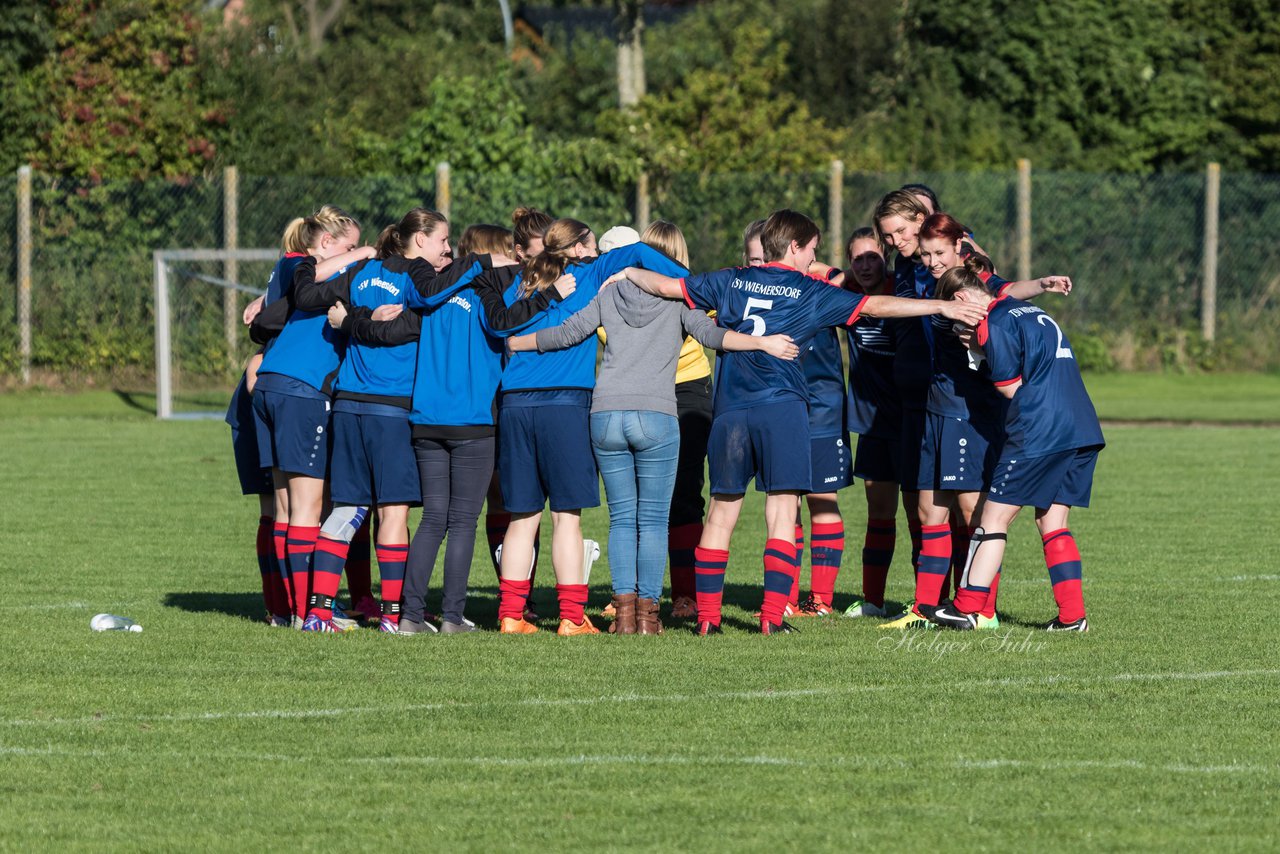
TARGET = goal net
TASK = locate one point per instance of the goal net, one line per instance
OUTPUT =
(202, 343)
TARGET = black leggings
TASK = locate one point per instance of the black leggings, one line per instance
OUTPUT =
(693, 407)
(455, 476)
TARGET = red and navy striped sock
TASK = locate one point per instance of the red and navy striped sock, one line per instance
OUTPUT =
(1065, 571)
(961, 536)
(495, 530)
(709, 567)
(793, 597)
(573, 599)
(681, 542)
(359, 571)
(971, 599)
(326, 575)
(266, 553)
(935, 563)
(877, 555)
(391, 564)
(300, 545)
(826, 550)
(512, 596)
(780, 570)
(914, 529)
(284, 585)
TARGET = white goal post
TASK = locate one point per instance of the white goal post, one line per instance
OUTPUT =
(165, 259)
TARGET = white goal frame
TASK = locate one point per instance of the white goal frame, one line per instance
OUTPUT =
(163, 260)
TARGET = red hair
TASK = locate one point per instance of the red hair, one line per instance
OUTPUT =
(942, 225)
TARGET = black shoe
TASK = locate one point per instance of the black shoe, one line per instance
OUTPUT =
(706, 627)
(783, 628)
(448, 628)
(948, 616)
(1056, 625)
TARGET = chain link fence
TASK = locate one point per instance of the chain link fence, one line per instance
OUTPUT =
(1133, 244)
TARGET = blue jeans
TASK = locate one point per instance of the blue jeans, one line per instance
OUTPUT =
(637, 451)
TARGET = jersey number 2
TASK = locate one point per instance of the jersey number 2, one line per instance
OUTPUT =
(757, 322)
(1063, 352)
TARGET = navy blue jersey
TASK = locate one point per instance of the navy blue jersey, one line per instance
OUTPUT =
(281, 280)
(373, 369)
(912, 336)
(960, 387)
(575, 367)
(823, 367)
(767, 300)
(307, 349)
(874, 406)
(1051, 411)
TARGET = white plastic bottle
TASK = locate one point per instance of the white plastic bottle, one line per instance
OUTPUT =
(112, 623)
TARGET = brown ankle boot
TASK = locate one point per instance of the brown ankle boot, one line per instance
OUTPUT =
(647, 622)
(624, 618)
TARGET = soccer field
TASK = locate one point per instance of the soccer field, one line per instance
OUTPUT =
(211, 731)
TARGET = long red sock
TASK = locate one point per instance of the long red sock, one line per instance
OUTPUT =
(825, 552)
(1065, 571)
(359, 571)
(793, 598)
(709, 567)
(573, 599)
(512, 596)
(877, 555)
(780, 570)
(681, 542)
(326, 575)
(989, 607)
(935, 563)
(971, 599)
(391, 564)
(301, 544)
(265, 551)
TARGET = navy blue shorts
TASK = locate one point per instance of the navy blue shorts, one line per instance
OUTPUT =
(911, 448)
(955, 455)
(831, 463)
(878, 459)
(254, 479)
(770, 443)
(372, 456)
(545, 455)
(293, 433)
(1062, 478)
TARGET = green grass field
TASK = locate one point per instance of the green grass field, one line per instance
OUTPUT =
(210, 731)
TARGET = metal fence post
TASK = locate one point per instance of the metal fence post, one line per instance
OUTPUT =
(443, 197)
(1024, 219)
(642, 201)
(1209, 291)
(24, 271)
(835, 213)
(164, 376)
(231, 267)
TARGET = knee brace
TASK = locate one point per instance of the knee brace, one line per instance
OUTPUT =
(343, 522)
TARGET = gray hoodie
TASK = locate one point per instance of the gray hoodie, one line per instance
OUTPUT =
(645, 334)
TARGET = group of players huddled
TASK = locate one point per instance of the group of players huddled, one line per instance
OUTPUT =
(396, 375)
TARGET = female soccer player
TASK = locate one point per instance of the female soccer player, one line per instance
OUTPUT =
(544, 426)
(1048, 457)
(761, 420)
(634, 427)
(291, 397)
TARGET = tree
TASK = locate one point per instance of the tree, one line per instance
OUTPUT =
(26, 39)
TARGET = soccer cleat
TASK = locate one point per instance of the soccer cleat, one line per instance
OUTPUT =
(367, 610)
(277, 622)
(988, 622)
(783, 628)
(344, 624)
(683, 608)
(863, 608)
(568, 628)
(1056, 625)
(814, 607)
(706, 627)
(314, 624)
(530, 615)
(296, 622)
(512, 626)
(950, 617)
(910, 620)
(789, 611)
(389, 625)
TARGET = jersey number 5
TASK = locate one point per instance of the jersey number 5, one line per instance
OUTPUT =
(1063, 352)
(757, 322)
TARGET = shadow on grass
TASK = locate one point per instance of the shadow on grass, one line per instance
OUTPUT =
(141, 401)
(247, 606)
